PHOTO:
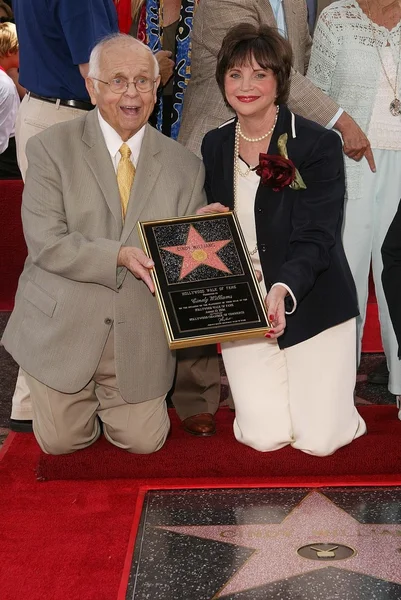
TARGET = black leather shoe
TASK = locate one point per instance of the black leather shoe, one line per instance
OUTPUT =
(379, 376)
(21, 425)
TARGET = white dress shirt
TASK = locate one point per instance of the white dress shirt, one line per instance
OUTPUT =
(114, 142)
(247, 186)
(278, 11)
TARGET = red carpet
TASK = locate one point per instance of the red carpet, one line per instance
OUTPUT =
(68, 539)
(372, 341)
(373, 457)
(60, 540)
(12, 244)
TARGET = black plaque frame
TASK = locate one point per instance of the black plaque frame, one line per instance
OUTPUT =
(207, 305)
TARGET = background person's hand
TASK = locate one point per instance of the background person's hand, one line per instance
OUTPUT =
(166, 65)
(209, 209)
(356, 144)
(138, 263)
(14, 74)
(274, 302)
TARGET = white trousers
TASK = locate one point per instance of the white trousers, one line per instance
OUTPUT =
(33, 117)
(302, 395)
(366, 222)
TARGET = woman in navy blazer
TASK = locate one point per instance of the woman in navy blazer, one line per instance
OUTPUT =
(284, 176)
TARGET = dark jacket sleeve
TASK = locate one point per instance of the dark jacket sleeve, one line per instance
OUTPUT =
(391, 276)
(316, 215)
(207, 157)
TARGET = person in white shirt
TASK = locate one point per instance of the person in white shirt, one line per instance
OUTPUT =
(9, 102)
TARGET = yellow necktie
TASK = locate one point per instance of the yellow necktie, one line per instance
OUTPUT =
(125, 177)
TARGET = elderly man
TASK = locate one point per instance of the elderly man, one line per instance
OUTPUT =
(85, 328)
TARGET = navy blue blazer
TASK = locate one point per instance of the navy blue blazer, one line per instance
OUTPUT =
(298, 231)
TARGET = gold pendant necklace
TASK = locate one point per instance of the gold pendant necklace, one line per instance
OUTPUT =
(395, 105)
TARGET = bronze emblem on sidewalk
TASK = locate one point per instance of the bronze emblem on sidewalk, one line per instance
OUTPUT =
(326, 552)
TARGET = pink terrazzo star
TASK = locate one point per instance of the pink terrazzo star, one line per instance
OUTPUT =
(197, 251)
(315, 520)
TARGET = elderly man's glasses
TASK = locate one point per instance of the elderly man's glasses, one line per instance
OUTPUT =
(119, 85)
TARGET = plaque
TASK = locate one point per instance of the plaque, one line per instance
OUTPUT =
(205, 283)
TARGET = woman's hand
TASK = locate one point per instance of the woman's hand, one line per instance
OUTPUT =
(209, 209)
(274, 302)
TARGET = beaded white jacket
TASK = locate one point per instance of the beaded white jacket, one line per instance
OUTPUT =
(345, 65)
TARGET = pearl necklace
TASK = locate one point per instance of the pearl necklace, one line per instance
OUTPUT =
(237, 170)
(262, 137)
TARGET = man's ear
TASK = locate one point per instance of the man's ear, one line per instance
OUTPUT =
(157, 83)
(90, 86)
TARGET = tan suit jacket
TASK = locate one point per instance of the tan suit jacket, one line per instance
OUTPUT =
(204, 107)
(70, 292)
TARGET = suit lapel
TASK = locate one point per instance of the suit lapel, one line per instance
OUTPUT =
(227, 153)
(283, 125)
(290, 19)
(289, 16)
(269, 14)
(99, 161)
(147, 172)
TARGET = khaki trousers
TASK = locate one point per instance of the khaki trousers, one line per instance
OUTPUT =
(63, 423)
(197, 382)
(33, 117)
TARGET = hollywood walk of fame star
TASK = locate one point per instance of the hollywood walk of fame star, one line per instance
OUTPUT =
(314, 520)
(196, 251)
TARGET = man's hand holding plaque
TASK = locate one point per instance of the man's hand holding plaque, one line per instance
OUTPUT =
(136, 261)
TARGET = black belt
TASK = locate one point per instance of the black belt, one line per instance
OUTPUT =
(81, 104)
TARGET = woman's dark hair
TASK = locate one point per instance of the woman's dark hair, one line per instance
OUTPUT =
(269, 49)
